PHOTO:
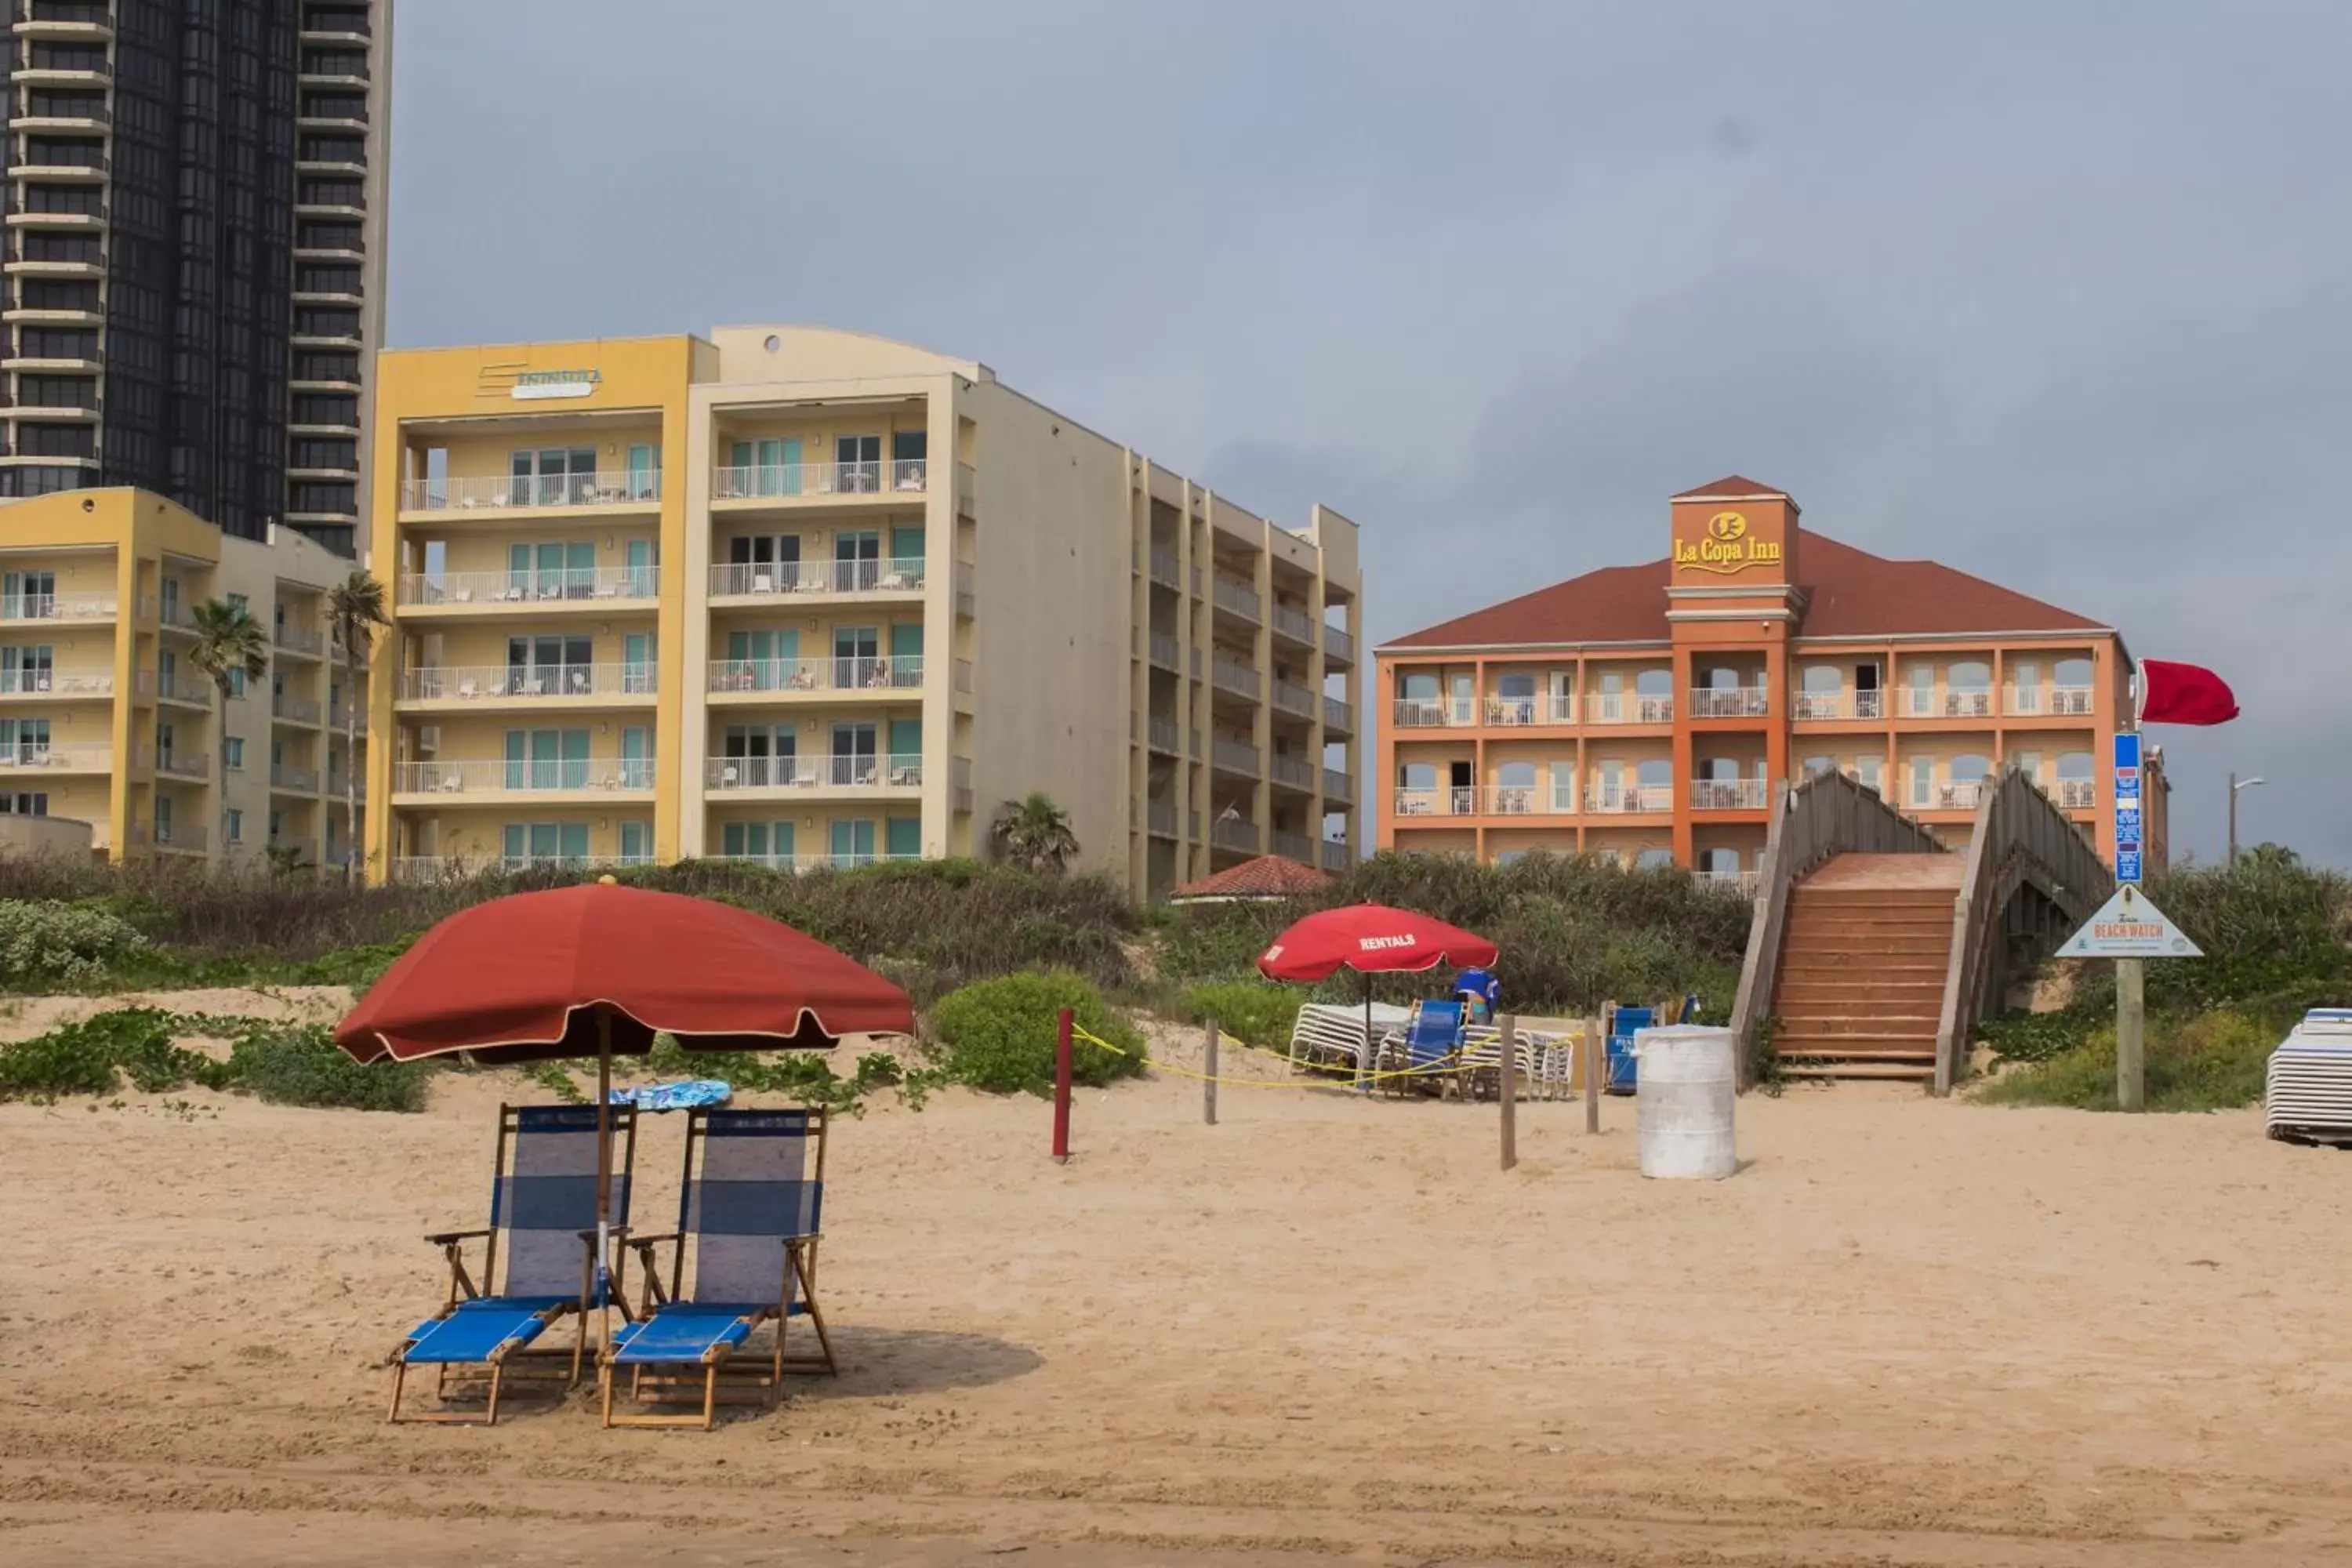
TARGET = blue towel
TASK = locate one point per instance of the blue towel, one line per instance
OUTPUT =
(684, 1095)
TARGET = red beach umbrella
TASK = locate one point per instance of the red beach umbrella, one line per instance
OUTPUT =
(596, 969)
(1370, 939)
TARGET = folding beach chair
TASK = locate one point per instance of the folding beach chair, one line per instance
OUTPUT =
(539, 1259)
(749, 1208)
(1429, 1047)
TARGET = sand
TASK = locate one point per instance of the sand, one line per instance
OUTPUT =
(1909, 1331)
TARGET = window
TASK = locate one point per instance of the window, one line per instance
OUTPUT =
(547, 759)
(57, 342)
(1969, 767)
(236, 826)
(276, 823)
(1867, 768)
(57, 392)
(326, 322)
(1923, 781)
(857, 465)
(544, 843)
(908, 449)
(233, 754)
(554, 476)
(636, 841)
(1816, 766)
(769, 842)
(240, 603)
(25, 803)
(57, 440)
(79, 201)
(1653, 859)
(1967, 689)
(25, 739)
(2074, 767)
(852, 842)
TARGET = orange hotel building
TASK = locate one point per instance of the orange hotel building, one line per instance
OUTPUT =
(1645, 712)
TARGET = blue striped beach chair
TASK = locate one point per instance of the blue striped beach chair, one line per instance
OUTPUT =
(743, 1257)
(539, 1261)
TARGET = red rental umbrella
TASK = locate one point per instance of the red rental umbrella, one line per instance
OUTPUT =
(596, 969)
(1370, 939)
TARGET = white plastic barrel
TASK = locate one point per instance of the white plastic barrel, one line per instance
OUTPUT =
(1685, 1087)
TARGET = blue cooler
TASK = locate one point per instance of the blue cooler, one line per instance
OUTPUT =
(1621, 1026)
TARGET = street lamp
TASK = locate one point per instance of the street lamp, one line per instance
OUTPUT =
(2236, 784)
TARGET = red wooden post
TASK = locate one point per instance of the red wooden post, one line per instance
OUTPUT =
(1062, 1088)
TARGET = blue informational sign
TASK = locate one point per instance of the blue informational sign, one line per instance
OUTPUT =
(2127, 807)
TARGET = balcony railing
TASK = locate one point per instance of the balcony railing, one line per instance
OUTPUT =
(1609, 799)
(56, 606)
(1617, 707)
(1234, 756)
(1460, 800)
(2070, 700)
(1338, 644)
(63, 759)
(1296, 625)
(1233, 676)
(1728, 795)
(1337, 785)
(457, 868)
(531, 775)
(1525, 800)
(785, 481)
(294, 710)
(1239, 597)
(1337, 715)
(298, 640)
(466, 494)
(1164, 736)
(840, 771)
(1337, 854)
(1164, 570)
(184, 765)
(1294, 772)
(1430, 712)
(499, 682)
(1233, 833)
(1968, 705)
(185, 688)
(896, 672)
(187, 836)
(1962, 797)
(301, 781)
(1730, 881)
(531, 587)
(51, 683)
(1730, 703)
(2078, 794)
(1293, 698)
(1296, 847)
(1164, 650)
(2022, 701)
(844, 860)
(1159, 818)
(1840, 704)
(759, 578)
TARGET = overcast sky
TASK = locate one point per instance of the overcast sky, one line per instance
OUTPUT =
(2061, 295)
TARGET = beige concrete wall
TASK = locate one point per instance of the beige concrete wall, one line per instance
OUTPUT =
(31, 837)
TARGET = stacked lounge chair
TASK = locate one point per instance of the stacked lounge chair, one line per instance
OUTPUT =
(2307, 1091)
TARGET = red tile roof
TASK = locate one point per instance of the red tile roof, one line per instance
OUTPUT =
(1267, 876)
(1849, 593)
(1733, 486)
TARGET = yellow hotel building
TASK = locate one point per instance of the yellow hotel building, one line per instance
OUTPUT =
(103, 720)
(808, 597)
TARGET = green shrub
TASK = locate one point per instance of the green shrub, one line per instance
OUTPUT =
(1000, 1034)
(46, 943)
(2212, 1061)
(2038, 1037)
(2275, 932)
(1252, 1012)
(303, 1065)
(91, 1056)
(358, 967)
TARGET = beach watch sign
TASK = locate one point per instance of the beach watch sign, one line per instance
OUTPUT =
(2127, 807)
(2129, 926)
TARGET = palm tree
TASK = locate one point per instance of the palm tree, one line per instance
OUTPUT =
(355, 607)
(229, 644)
(1035, 833)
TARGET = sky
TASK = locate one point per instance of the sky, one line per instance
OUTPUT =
(2060, 295)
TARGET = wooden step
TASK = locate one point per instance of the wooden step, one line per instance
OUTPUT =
(1847, 949)
(1812, 999)
(1897, 1071)
(1839, 920)
(1873, 898)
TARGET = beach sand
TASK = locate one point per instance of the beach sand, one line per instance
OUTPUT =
(1909, 1331)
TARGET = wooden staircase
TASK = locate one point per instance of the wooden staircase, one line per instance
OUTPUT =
(1863, 965)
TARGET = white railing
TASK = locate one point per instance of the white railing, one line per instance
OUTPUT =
(1292, 771)
(1728, 795)
(2025, 701)
(1337, 715)
(893, 672)
(1962, 796)
(1293, 698)
(51, 683)
(843, 861)
(1511, 710)
(785, 481)
(1425, 713)
(1232, 833)
(1164, 650)
(531, 587)
(457, 868)
(760, 579)
(1294, 846)
(183, 765)
(2070, 700)
(294, 710)
(1734, 881)
(468, 493)
(1164, 570)
(839, 770)
(531, 775)
(500, 683)
(1917, 704)
(180, 688)
(1967, 704)
(301, 781)
(1457, 800)
(1730, 702)
(1840, 704)
(1338, 785)
(1235, 757)
(1618, 798)
(2078, 794)
(1617, 707)
(1338, 644)
(1234, 675)
(1525, 800)
(62, 759)
(1239, 597)
(56, 606)
(1296, 625)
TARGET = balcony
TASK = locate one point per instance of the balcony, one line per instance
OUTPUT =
(636, 491)
(802, 865)
(1164, 651)
(294, 710)
(457, 868)
(2071, 699)
(737, 676)
(768, 579)
(1296, 625)
(1730, 702)
(533, 776)
(498, 683)
(1337, 854)
(298, 640)
(1164, 570)
(1339, 715)
(1229, 674)
(854, 771)
(1431, 713)
(183, 689)
(1623, 799)
(1526, 800)
(1234, 598)
(1235, 757)
(1741, 882)
(2078, 794)
(1841, 705)
(293, 781)
(1296, 847)
(1293, 698)
(1163, 737)
(1617, 707)
(57, 607)
(587, 588)
(1729, 795)
(1159, 818)
(1294, 772)
(184, 837)
(1338, 644)
(22, 758)
(1461, 800)
(803, 482)
(1234, 833)
(1962, 796)
(49, 683)
(184, 765)
(1339, 786)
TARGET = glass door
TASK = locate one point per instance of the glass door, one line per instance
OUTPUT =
(853, 754)
(856, 559)
(645, 472)
(856, 657)
(908, 450)
(906, 751)
(637, 668)
(852, 842)
(905, 557)
(858, 464)
(642, 557)
(906, 654)
(636, 757)
(636, 842)
(903, 838)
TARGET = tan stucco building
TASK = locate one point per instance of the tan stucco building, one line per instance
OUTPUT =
(813, 598)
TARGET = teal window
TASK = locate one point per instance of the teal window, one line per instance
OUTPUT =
(903, 838)
(546, 843)
(852, 842)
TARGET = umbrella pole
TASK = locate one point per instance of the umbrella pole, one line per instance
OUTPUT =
(1364, 1062)
(604, 1176)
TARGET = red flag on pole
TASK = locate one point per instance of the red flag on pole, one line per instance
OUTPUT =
(2183, 694)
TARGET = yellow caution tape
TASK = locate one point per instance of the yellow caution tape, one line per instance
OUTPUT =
(1437, 1071)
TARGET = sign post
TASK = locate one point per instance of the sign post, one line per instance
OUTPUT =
(2129, 929)
(2131, 981)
